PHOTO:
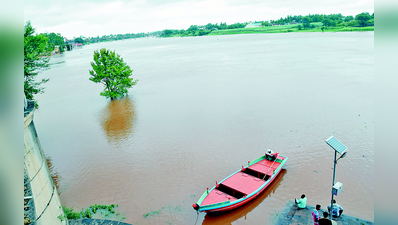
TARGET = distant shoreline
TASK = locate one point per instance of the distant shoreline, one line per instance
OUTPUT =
(317, 27)
(288, 29)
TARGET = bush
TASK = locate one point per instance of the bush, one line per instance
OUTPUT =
(353, 23)
(69, 214)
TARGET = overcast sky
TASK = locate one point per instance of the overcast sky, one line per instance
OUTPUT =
(90, 18)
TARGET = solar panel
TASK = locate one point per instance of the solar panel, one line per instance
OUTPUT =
(336, 145)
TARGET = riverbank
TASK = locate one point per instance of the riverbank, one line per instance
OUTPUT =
(96, 222)
(288, 29)
(29, 206)
(304, 216)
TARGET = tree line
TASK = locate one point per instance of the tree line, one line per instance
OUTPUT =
(303, 22)
(115, 37)
(37, 49)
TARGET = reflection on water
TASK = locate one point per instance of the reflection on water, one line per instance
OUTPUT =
(56, 177)
(234, 215)
(117, 119)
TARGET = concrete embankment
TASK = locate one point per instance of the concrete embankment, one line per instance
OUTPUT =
(47, 204)
(304, 216)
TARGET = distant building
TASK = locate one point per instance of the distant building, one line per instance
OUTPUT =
(253, 25)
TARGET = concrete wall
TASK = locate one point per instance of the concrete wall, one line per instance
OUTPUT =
(47, 202)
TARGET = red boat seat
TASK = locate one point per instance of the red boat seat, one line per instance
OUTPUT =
(265, 167)
(216, 196)
(243, 183)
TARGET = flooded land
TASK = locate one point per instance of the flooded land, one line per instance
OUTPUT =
(202, 108)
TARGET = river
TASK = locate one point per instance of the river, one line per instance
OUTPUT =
(202, 108)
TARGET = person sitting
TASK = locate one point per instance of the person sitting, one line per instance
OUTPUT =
(301, 203)
(325, 220)
(270, 155)
(337, 209)
(315, 214)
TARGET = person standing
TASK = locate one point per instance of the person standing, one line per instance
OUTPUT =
(325, 220)
(315, 214)
(337, 209)
(301, 203)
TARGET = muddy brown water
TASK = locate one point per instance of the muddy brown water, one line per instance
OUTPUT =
(202, 108)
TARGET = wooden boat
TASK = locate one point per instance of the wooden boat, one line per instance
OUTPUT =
(242, 186)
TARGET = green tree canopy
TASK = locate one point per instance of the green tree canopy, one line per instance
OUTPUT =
(353, 23)
(167, 33)
(318, 18)
(55, 39)
(348, 18)
(299, 27)
(306, 22)
(192, 28)
(327, 22)
(80, 40)
(110, 70)
(362, 18)
(36, 57)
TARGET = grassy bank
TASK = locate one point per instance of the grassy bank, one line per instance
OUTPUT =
(288, 28)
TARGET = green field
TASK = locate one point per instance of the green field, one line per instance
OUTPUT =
(288, 28)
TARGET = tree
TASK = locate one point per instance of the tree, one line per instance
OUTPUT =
(265, 24)
(36, 57)
(222, 26)
(306, 22)
(80, 40)
(192, 28)
(353, 23)
(167, 33)
(55, 39)
(362, 18)
(299, 27)
(348, 18)
(318, 18)
(327, 22)
(110, 70)
(209, 26)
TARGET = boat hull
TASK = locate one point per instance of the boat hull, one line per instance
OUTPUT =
(237, 205)
(247, 194)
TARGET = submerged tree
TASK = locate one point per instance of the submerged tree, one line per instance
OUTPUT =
(110, 70)
(36, 57)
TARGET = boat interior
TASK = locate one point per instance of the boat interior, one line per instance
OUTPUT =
(236, 193)
(256, 174)
(230, 191)
(242, 183)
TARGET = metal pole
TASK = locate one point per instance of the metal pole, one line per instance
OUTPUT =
(334, 175)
